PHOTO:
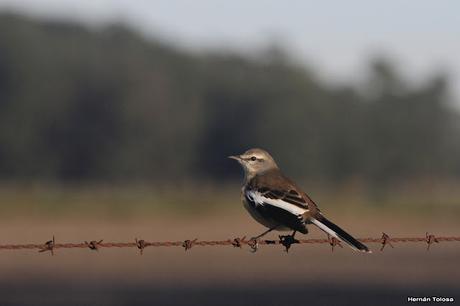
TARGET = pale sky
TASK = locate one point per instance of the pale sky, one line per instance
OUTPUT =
(336, 38)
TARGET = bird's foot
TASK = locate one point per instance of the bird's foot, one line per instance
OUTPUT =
(287, 241)
(254, 244)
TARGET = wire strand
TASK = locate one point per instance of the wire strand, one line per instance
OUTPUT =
(286, 241)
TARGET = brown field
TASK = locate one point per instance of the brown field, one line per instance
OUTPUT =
(224, 275)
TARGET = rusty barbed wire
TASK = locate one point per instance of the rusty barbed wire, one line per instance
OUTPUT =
(286, 241)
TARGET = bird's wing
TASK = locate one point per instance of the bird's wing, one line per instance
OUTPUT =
(289, 195)
(274, 188)
(289, 200)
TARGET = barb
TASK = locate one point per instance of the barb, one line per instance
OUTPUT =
(93, 244)
(188, 244)
(430, 239)
(334, 242)
(237, 242)
(386, 240)
(285, 241)
(140, 245)
(48, 246)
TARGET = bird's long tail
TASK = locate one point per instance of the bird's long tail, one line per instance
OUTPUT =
(335, 231)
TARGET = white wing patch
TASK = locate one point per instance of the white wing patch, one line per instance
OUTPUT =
(259, 199)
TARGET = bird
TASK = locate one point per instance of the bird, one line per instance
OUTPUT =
(276, 202)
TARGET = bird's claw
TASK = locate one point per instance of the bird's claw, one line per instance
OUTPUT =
(253, 244)
(287, 241)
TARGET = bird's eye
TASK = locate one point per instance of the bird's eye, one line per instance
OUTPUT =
(253, 158)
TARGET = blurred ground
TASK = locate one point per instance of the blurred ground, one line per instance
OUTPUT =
(224, 275)
(153, 294)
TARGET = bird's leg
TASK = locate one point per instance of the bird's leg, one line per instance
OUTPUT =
(264, 233)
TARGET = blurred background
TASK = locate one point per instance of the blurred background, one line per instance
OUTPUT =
(116, 118)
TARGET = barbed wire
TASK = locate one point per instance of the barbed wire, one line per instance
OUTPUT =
(286, 241)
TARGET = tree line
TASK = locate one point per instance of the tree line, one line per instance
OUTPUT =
(81, 104)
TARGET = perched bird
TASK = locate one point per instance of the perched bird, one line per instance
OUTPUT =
(276, 202)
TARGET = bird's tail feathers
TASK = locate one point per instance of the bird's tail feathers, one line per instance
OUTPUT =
(335, 231)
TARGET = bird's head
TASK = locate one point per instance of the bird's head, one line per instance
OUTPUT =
(255, 161)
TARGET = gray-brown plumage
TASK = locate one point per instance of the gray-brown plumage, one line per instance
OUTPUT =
(278, 203)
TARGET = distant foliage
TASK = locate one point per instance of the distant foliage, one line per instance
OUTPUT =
(79, 104)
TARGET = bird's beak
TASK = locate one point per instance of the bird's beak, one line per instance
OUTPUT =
(237, 158)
